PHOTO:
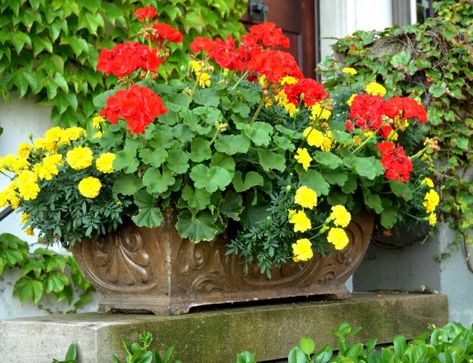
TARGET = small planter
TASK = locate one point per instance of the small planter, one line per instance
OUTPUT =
(401, 236)
(153, 269)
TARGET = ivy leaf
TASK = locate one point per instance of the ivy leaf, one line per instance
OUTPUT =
(148, 214)
(232, 144)
(19, 40)
(437, 89)
(91, 22)
(27, 288)
(55, 282)
(199, 227)
(401, 59)
(252, 179)
(127, 184)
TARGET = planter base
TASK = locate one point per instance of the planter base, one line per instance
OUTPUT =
(153, 269)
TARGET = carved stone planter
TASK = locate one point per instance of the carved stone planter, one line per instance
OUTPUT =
(153, 269)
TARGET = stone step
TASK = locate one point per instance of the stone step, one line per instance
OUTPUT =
(215, 336)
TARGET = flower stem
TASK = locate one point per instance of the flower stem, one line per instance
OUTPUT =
(362, 144)
(238, 82)
(260, 106)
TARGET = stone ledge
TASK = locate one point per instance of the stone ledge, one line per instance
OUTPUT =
(216, 336)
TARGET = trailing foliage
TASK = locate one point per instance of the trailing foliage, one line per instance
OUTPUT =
(432, 62)
(452, 343)
(49, 48)
(43, 273)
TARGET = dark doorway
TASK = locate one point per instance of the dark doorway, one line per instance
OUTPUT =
(298, 19)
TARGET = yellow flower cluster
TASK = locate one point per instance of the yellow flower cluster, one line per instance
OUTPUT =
(90, 187)
(300, 221)
(302, 250)
(431, 201)
(306, 197)
(318, 112)
(80, 158)
(48, 167)
(27, 185)
(201, 69)
(9, 196)
(375, 89)
(281, 99)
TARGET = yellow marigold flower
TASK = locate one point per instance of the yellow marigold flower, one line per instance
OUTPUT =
(12, 163)
(340, 216)
(301, 221)
(431, 200)
(327, 141)
(306, 197)
(104, 163)
(196, 66)
(338, 237)
(27, 186)
(428, 182)
(29, 231)
(9, 197)
(24, 150)
(23, 218)
(288, 80)
(54, 134)
(302, 250)
(97, 121)
(319, 113)
(314, 137)
(72, 134)
(49, 167)
(350, 100)
(375, 89)
(79, 158)
(432, 218)
(350, 71)
(303, 157)
(89, 187)
(204, 79)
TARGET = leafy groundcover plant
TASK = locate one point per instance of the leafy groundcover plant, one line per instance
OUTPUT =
(243, 145)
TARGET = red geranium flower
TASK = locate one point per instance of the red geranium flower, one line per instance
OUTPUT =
(349, 126)
(165, 31)
(275, 64)
(309, 88)
(404, 107)
(366, 111)
(138, 106)
(385, 130)
(397, 165)
(223, 53)
(147, 12)
(201, 43)
(266, 35)
(125, 58)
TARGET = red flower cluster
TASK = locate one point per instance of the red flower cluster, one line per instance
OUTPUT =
(138, 106)
(397, 165)
(166, 32)
(265, 35)
(311, 91)
(125, 58)
(366, 111)
(148, 12)
(404, 107)
(275, 64)
(201, 43)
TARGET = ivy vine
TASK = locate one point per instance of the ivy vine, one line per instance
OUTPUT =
(49, 48)
(44, 273)
(434, 63)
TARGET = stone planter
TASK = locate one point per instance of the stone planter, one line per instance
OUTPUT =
(154, 270)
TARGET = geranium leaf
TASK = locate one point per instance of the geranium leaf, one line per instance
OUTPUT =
(270, 160)
(232, 144)
(314, 180)
(252, 179)
(157, 182)
(232, 205)
(200, 227)
(127, 184)
(200, 150)
(328, 159)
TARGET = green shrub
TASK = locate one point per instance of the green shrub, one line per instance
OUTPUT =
(432, 62)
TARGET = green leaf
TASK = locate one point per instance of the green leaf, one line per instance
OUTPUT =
(246, 357)
(307, 345)
(373, 201)
(200, 150)
(258, 132)
(338, 177)
(314, 180)
(54, 282)
(154, 157)
(438, 89)
(389, 217)
(402, 190)
(210, 179)
(269, 160)
(206, 96)
(401, 59)
(369, 167)
(148, 214)
(26, 288)
(199, 227)
(252, 179)
(91, 22)
(197, 199)
(232, 144)
(178, 161)
(232, 205)
(157, 182)
(127, 184)
(327, 159)
(126, 160)
(296, 355)
(19, 40)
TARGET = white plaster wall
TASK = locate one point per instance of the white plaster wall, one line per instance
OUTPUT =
(19, 119)
(339, 18)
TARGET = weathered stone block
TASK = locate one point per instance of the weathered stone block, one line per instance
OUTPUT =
(216, 336)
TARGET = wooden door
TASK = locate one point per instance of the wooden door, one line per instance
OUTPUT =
(298, 20)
